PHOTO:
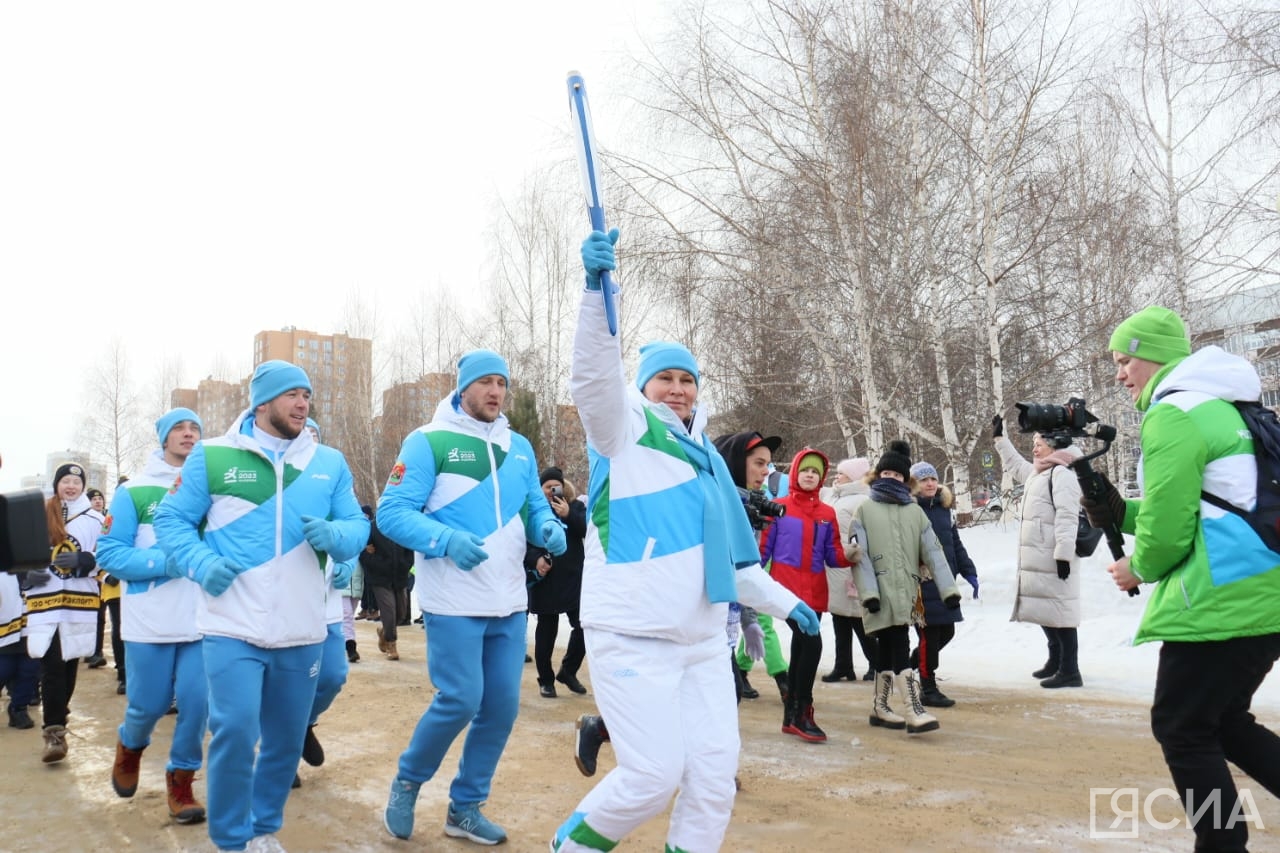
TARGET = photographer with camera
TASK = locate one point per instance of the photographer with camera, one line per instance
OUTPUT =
(1216, 602)
(1048, 592)
(555, 587)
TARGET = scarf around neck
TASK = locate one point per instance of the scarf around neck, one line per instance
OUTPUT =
(887, 490)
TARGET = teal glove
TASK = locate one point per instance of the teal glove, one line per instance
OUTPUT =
(803, 615)
(218, 576)
(598, 256)
(465, 550)
(319, 533)
(553, 538)
(342, 575)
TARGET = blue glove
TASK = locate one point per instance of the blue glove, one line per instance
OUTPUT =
(465, 550)
(319, 533)
(597, 256)
(342, 575)
(973, 582)
(804, 616)
(753, 640)
(218, 576)
(553, 538)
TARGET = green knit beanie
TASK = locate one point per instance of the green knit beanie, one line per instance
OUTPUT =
(1154, 334)
(814, 462)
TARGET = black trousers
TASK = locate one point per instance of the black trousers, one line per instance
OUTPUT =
(1201, 719)
(1064, 647)
(544, 643)
(57, 683)
(893, 649)
(845, 628)
(802, 670)
(933, 638)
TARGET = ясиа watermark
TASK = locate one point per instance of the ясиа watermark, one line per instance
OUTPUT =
(1119, 812)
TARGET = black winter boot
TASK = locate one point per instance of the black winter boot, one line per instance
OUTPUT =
(804, 724)
(353, 656)
(840, 675)
(748, 692)
(931, 696)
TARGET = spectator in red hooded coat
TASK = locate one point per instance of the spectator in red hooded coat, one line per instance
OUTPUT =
(801, 545)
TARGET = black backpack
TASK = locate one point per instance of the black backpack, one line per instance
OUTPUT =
(1264, 426)
(1087, 536)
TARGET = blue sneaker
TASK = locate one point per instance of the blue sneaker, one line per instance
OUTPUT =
(467, 822)
(398, 817)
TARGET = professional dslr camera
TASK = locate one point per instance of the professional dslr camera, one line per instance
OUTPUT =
(759, 508)
(1069, 419)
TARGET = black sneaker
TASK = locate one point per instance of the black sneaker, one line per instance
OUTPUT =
(312, 751)
(95, 661)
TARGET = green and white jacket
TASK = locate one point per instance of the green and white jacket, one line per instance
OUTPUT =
(1214, 578)
(460, 474)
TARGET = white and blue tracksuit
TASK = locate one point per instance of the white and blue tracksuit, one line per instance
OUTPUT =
(158, 621)
(655, 637)
(241, 497)
(460, 474)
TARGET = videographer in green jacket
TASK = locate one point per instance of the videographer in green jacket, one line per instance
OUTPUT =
(1216, 600)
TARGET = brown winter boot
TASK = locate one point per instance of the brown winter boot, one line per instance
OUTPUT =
(392, 654)
(55, 744)
(124, 773)
(183, 805)
(382, 644)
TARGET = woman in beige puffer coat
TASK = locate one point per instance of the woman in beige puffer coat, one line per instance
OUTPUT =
(1048, 592)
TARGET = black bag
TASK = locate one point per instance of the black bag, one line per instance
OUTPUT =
(1264, 427)
(1087, 536)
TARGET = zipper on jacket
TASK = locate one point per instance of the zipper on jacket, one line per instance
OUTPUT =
(493, 472)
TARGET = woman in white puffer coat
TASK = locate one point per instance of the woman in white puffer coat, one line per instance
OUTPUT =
(1048, 592)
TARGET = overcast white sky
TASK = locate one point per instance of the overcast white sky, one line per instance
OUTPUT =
(185, 175)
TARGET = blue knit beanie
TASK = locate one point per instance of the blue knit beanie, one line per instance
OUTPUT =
(173, 417)
(479, 363)
(311, 424)
(923, 471)
(273, 378)
(657, 356)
